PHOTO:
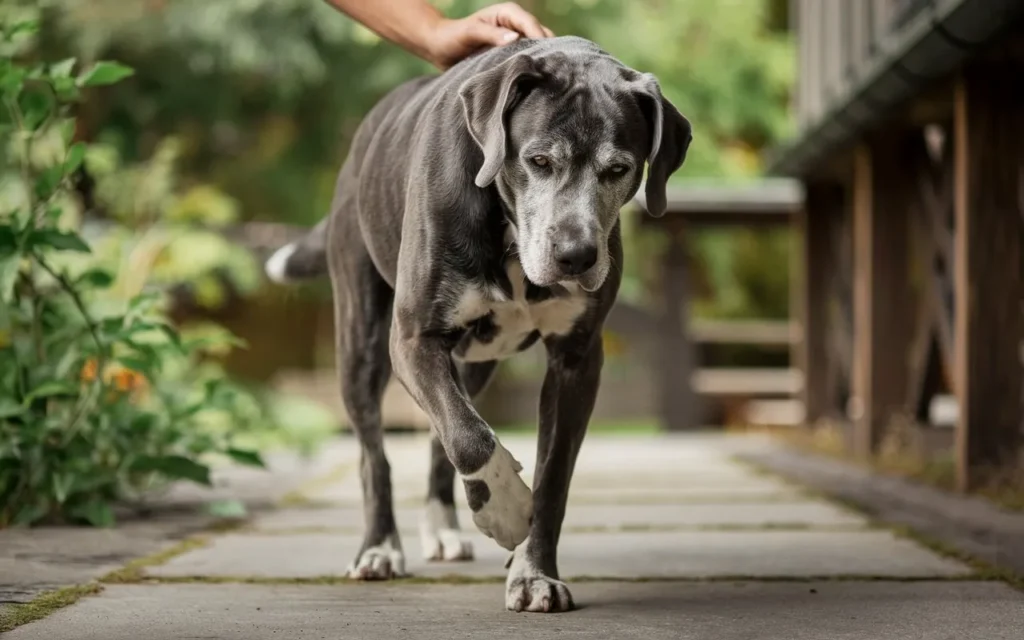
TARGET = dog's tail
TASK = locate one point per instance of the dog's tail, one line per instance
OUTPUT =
(303, 259)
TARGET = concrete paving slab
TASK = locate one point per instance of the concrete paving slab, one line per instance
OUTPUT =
(45, 558)
(683, 554)
(607, 611)
(671, 490)
(407, 485)
(795, 514)
(623, 454)
(610, 469)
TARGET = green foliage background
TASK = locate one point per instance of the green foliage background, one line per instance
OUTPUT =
(263, 96)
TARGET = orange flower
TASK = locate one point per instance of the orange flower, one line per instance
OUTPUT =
(126, 379)
(120, 379)
(89, 370)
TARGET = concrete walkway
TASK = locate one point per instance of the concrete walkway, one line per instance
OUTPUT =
(664, 538)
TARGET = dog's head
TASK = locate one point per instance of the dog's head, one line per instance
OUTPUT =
(565, 137)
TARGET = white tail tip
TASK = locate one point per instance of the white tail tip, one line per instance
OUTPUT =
(277, 264)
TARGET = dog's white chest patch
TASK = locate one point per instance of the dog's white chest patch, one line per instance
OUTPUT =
(499, 326)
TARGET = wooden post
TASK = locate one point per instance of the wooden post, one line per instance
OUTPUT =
(817, 262)
(989, 285)
(676, 397)
(881, 313)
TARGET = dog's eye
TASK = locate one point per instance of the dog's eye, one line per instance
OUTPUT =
(540, 161)
(618, 169)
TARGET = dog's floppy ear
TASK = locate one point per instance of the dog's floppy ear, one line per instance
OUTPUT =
(670, 138)
(487, 99)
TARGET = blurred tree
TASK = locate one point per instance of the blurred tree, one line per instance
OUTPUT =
(264, 95)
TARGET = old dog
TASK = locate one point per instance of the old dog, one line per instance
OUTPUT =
(477, 212)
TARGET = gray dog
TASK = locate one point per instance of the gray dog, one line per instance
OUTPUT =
(477, 213)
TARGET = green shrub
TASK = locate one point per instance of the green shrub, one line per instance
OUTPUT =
(101, 398)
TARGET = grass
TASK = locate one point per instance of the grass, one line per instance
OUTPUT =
(45, 604)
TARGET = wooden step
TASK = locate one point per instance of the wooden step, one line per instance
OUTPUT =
(748, 382)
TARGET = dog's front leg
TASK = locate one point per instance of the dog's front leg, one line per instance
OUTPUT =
(566, 403)
(500, 500)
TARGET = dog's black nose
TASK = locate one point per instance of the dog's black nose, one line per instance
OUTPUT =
(574, 259)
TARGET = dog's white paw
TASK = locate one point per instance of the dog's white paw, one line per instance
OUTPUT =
(382, 562)
(501, 502)
(440, 535)
(527, 589)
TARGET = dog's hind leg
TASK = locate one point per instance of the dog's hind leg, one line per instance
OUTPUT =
(362, 307)
(440, 534)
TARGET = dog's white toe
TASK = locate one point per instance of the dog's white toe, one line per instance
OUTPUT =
(440, 536)
(501, 502)
(383, 562)
(528, 589)
(446, 545)
(539, 594)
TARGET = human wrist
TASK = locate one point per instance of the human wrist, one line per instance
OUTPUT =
(429, 36)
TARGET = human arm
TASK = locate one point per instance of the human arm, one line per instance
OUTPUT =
(420, 28)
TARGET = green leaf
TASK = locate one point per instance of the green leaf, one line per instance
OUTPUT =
(9, 268)
(135, 363)
(97, 278)
(36, 107)
(74, 158)
(8, 239)
(227, 509)
(53, 214)
(104, 73)
(175, 468)
(48, 181)
(62, 483)
(96, 513)
(67, 130)
(11, 82)
(65, 89)
(60, 240)
(51, 389)
(172, 335)
(68, 362)
(248, 458)
(62, 69)
(31, 513)
(9, 408)
(22, 26)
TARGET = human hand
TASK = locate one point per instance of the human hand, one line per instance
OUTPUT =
(449, 41)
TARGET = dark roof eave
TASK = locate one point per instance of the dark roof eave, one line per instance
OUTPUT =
(929, 47)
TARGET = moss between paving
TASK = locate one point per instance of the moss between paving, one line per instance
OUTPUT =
(44, 605)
